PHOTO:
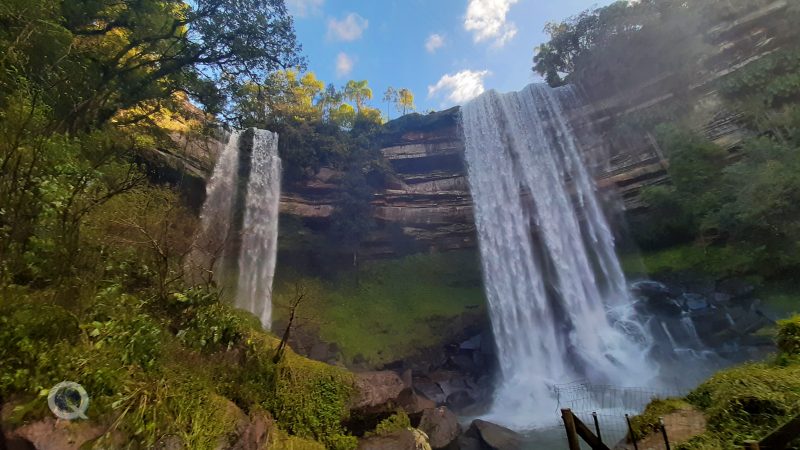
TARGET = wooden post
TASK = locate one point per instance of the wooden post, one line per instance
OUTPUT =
(569, 426)
(751, 445)
(597, 427)
(630, 431)
(664, 432)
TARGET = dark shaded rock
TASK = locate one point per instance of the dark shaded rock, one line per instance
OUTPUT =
(408, 378)
(441, 426)
(493, 436)
(695, 302)
(473, 343)
(650, 290)
(412, 403)
(460, 400)
(736, 288)
(469, 443)
(430, 390)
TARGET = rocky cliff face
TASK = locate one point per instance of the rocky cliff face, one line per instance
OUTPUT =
(428, 200)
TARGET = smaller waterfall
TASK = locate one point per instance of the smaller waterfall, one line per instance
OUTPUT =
(215, 217)
(250, 272)
(260, 229)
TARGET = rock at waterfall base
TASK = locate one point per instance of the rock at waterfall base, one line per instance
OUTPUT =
(441, 426)
(492, 436)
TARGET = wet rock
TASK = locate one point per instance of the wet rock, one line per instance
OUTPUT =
(695, 302)
(430, 390)
(441, 426)
(493, 436)
(650, 290)
(473, 343)
(460, 400)
(409, 439)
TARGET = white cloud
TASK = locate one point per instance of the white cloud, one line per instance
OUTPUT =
(344, 65)
(348, 29)
(460, 87)
(304, 8)
(487, 19)
(434, 42)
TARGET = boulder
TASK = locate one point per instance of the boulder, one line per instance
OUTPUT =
(650, 290)
(377, 392)
(408, 439)
(695, 302)
(53, 434)
(412, 403)
(736, 288)
(441, 426)
(493, 436)
(430, 390)
(255, 434)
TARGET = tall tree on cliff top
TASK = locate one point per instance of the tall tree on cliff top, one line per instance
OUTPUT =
(358, 92)
(390, 96)
(405, 101)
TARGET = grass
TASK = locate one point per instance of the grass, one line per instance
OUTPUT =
(704, 260)
(648, 421)
(780, 298)
(391, 309)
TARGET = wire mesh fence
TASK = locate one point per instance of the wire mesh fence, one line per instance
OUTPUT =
(603, 409)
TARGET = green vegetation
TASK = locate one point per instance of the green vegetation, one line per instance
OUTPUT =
(627, 43)
(741, 403)
(648, 421)
(390, 309)
(95, 260)
(396, 422)
(145, 383)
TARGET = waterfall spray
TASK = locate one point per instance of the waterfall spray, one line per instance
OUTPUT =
(558, 299)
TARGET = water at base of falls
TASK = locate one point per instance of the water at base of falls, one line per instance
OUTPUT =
(558, 299)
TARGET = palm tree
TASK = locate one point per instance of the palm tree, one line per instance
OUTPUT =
(390, 96)
(358, 91)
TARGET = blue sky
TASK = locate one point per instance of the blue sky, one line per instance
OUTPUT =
(445, 51)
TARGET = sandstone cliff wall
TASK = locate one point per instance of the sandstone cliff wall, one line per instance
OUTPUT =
(428, 198)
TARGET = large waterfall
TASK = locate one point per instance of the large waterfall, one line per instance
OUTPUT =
(557, 295)
(239, 221)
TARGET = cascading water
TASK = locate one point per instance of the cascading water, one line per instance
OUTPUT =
(260, 229)
(558, 299)
(253, 268)
(215, 217)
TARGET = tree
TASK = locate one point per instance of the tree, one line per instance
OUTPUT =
(94, 58)
(390, 96)
(358, 92)
(405, 101)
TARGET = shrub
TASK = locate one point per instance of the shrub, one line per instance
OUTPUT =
(789, 336)
(396, 422)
